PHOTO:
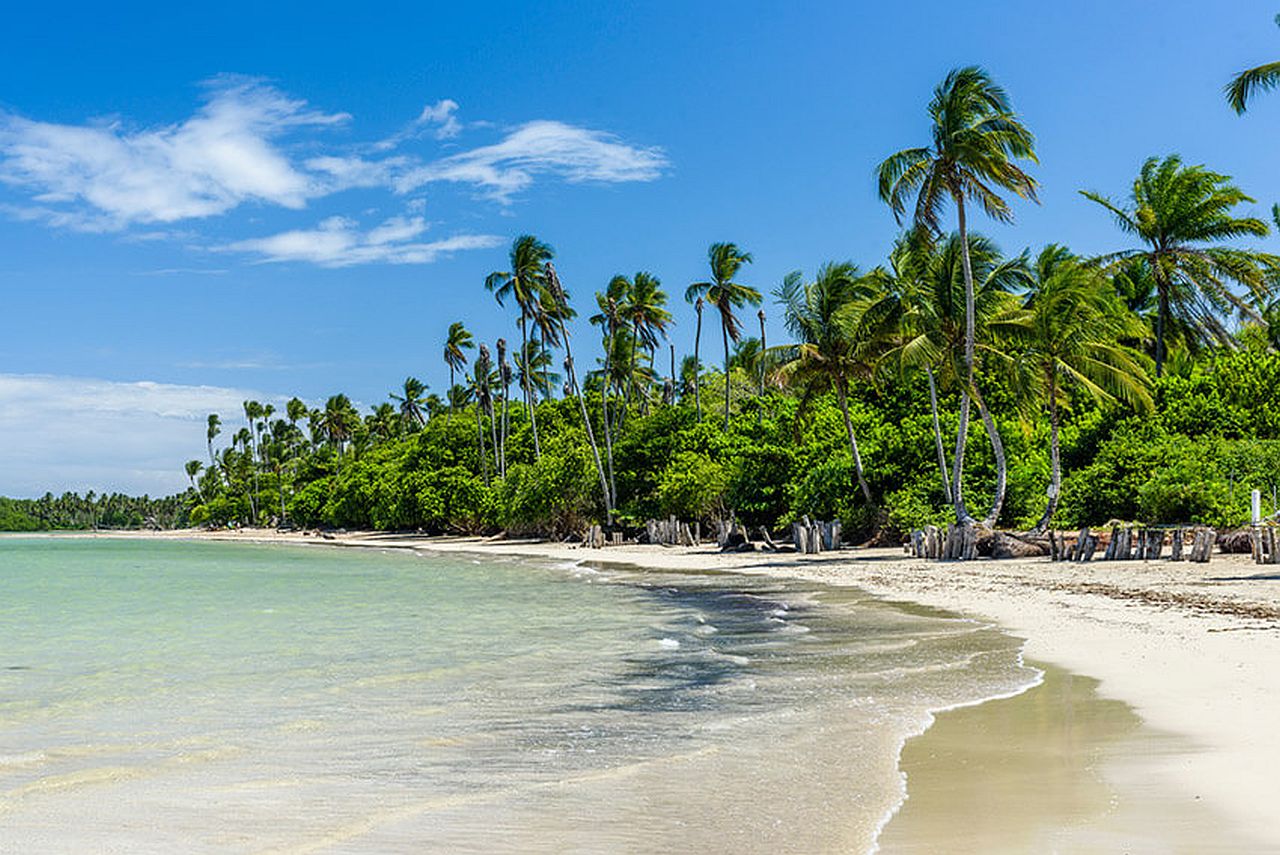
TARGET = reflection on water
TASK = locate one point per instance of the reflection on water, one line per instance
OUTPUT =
(160, 697)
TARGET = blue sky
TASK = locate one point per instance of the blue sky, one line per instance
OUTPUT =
(199, 206)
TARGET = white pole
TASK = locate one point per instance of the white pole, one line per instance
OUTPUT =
(1257, 506)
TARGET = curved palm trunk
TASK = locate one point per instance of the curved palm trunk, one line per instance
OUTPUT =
(962, 513)
(1002, 465)
(493, 437)
(604, 405)
(586, 421)
(937, 436)
(1055, 460)
(697, 367)
(484, 463)
(842, 395)
(724, 330)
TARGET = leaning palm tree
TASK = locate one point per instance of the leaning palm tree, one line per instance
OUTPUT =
(560, 310)
(1182, 216)
(976, 139)
(524, 283)
(828, 354)
(456, 344)
(192, 469)
(410, 401)
(213, 428)
(610, 320)
(1260, 78)
(1073, 326)
(726, 260)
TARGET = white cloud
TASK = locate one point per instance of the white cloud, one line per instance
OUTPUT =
(71, 433)
(222, 156)
(542, 147)
(338, 242)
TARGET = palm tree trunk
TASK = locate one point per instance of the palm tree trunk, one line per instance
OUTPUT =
(524, 381)
(1161, 312)
(449, 395)
(673, 372)
(484, 463)
(697, 367)
(937, 436)
(842, 396)
(1055, 459)
(493, 437)
(962, 513)
(1002, 464)
(604, 410)
(586, 421)
(506, 421)
(724, 332)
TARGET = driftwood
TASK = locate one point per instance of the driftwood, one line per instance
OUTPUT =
(1202, 545)
(670, 532)
(811, 537)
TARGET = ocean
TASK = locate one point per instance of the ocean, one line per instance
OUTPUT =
(174, 696)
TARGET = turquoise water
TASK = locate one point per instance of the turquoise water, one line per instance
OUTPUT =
(213, 697)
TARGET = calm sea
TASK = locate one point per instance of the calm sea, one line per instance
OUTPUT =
(210, 697)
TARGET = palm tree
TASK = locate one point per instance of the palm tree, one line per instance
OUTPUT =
(697, 363)
(1182, 216)
(828, 353)
(610, 320)
(976, 138)
(193, 468)
(524, 283)
(253, 412)
(764, 347)
(1258, 79)
(214, 427)
(726, 260)
(645, 310)
(504, 379)
(456, 344)
(1073, 327)
(337, 423)
(921, 320)
(411, 402)
(561, 310)
(487, 374)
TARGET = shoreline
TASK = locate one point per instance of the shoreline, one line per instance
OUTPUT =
(1192, 649)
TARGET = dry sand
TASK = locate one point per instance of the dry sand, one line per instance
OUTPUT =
(1194, 650)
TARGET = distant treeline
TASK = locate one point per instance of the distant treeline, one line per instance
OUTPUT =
(71, 511)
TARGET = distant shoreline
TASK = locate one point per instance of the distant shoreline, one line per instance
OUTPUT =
(1194, 649)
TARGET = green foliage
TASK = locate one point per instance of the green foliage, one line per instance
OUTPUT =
(692, 487)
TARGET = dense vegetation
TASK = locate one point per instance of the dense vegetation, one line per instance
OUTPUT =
(91, 511)
(950, 381)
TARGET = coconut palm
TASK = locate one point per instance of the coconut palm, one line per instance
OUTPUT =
(213, 428)
(192, 469)
(1182, 216)
(610, 320)
(504, 380)
(975, 140)
(524, 283)
(456, 344)
(1073, 327)
(828, 354)
(645, 310)
(697, 363)
(337, 423)
(1244, 85)
(726, 260)
(411, 403)
(559, 309)
(921, 314)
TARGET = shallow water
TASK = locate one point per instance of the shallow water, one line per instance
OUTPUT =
(160, 697)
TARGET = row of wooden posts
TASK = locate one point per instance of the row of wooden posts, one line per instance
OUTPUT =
(809, 536)
(1265, 540)
(1134, 543)
(955, 543)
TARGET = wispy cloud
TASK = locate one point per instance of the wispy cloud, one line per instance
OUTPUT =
(542, 148)
(248, 143)
(105, 176)
(339, 242)
(73, 433)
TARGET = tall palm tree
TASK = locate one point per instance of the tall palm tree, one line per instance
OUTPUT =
(726, 260)
(645, 310)
(697, 363)
(976, 137)
(827, 354)
(1073, 327)
(610, 320)
(524, 283)
(504, 380)
(456, 344)
(1260, 78)
(192, 469)
(337, 423)
(920, 319)
(1182, 215)
(411, 403)
(561, 310)
(213, 428)
(253, 412)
